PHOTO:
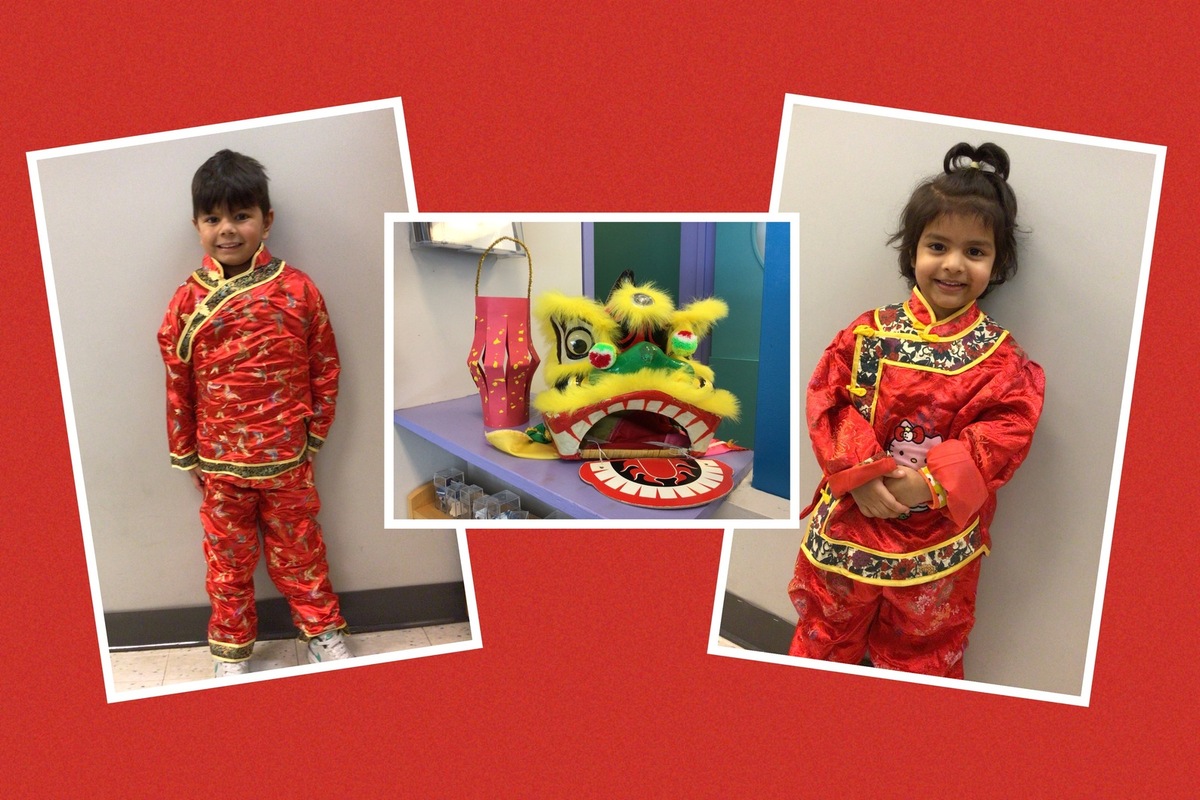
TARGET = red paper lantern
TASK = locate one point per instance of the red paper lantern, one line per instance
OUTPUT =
(502, 360)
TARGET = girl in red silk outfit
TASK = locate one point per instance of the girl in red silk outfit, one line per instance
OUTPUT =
(918, 412)
(252, 377)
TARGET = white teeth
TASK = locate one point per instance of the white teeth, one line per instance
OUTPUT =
(605, 472)
(565, 445)
(697, 431)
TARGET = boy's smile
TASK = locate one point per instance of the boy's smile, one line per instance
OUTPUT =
(954, 262)
(231, 238)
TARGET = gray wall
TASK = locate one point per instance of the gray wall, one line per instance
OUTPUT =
(121, 241)
(1072, 307)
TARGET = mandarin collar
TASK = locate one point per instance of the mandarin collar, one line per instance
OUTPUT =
(217, 272)
(923, 317)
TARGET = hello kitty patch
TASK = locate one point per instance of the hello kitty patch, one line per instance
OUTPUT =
(909, 446)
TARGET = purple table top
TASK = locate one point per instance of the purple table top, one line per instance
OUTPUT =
(457, 427)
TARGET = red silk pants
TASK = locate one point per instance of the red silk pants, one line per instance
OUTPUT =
(921, 628)
(284, 509)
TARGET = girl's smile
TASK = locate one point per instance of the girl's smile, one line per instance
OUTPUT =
(954, 262)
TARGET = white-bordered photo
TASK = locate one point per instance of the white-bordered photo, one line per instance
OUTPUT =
(721, 291)
(1087, 208)
(115, 221)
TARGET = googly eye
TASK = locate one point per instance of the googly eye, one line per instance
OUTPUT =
(579, 342)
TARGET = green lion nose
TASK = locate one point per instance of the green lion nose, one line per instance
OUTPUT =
(642, 356)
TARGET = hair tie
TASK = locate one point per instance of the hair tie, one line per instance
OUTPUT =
(966, 162)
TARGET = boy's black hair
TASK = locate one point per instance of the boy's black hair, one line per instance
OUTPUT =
(974, 183)
(230, 180)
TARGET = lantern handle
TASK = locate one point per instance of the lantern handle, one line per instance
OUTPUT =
(528, 258)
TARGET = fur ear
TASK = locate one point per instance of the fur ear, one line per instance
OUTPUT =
(700, 316)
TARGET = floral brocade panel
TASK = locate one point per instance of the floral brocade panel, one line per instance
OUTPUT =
(880, 568)
(899, 342)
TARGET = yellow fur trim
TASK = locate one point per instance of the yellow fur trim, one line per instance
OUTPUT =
(553, 373)
(623, 308)
(679, 384)
(561, 306)
(702, 371)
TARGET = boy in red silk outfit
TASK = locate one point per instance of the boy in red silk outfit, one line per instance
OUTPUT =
(918, 412)
(252, 379)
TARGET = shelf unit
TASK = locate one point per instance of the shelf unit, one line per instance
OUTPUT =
(456, 426)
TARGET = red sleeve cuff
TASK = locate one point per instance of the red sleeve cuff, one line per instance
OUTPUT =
(856, 476)
(952, 465)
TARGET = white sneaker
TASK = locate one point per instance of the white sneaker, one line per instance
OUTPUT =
(329, 646)
(222, 669)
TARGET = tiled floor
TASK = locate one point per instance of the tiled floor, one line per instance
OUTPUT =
(142, 669)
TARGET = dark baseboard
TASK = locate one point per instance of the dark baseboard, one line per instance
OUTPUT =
(753, 628)
(368, 610)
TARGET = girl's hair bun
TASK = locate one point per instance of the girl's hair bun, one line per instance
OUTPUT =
(987, 157)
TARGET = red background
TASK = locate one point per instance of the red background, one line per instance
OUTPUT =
(593, 680)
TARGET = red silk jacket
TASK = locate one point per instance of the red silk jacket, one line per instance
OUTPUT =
(252, 369)
(957, 396)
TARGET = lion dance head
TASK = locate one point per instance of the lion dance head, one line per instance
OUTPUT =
(622, 382)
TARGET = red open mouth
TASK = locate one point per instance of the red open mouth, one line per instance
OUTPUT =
(632, 425)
